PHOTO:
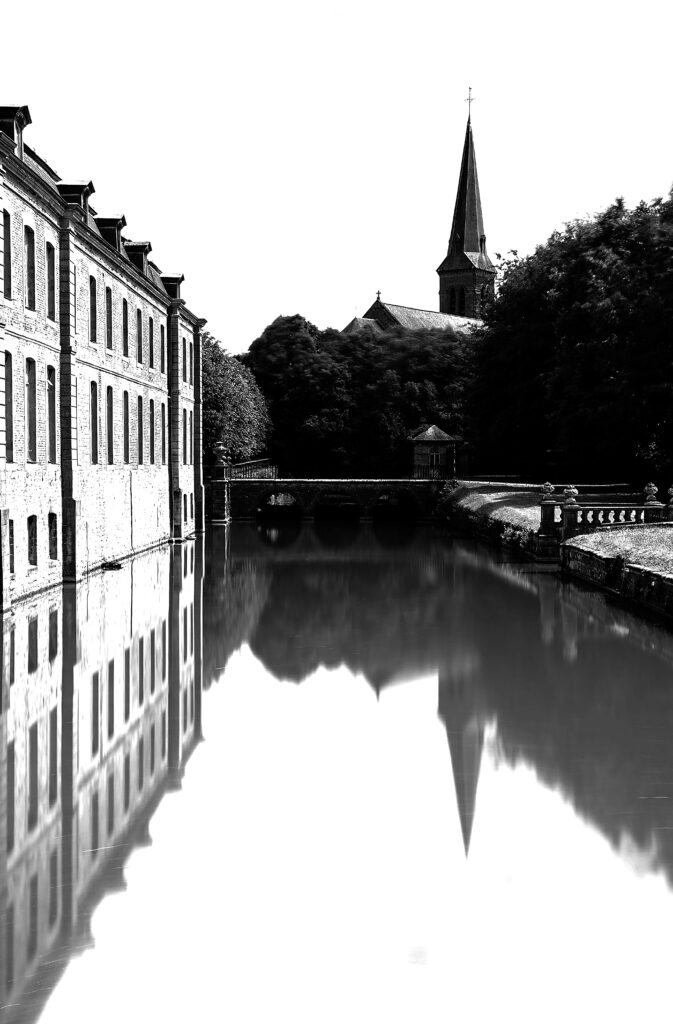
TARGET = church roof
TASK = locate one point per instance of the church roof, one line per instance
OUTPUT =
(432, 433)
(467, 229)
(359, 323)
(387, 314)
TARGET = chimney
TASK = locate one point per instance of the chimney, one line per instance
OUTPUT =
(111, 230)
(138, 252)
(12, 122)
(172, 284)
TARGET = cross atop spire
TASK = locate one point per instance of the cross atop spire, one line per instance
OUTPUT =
(469, 102)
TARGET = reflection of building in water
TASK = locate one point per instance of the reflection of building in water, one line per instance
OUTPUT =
(464, 716)
(90, 675)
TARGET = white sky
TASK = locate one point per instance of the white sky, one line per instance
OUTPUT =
(297, 156)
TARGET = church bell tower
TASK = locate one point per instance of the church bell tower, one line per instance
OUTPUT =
(466, 275)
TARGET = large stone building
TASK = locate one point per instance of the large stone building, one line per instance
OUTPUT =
(100, 383)
(466, 274)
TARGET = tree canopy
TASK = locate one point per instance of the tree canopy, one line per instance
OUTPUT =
(346, 404)
(234, 410)
(574, 369)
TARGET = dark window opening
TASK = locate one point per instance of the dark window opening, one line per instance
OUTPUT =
(153, 658)
(163, 650)
(126, 426)
(163, 434)
(7, 247)
(141, 670)
(163, 349)
(32, 645)
(110, 804)
(163, 735)
(51, 282)
(31, 411)
(9, 408)
(111, 699)
(127, 781)
(11, 545)
(108, 317)
(152, 749)
(51, 413)
(184, 359)
(151, 342)
(95, 843)
(139, 334)
(53, 634)
(53, 535)
(109, 425)
(32, 777)
(125, 328)
(95, 697)
(127, 684)
(191, 363)
(141, 763)
(152, 431)
(93, 313)
(140, 431)
(29, 261)
(94, 422)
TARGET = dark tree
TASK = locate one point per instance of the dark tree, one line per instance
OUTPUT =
(234, 411)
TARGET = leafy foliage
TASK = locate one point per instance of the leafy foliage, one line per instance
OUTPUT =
(574, 369)
(346, 404)
(234, 411)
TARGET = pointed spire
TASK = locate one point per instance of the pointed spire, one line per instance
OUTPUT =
(466, 746)
(467, 229)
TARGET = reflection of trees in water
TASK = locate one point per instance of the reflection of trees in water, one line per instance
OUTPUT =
(231, 608)
(578, 692)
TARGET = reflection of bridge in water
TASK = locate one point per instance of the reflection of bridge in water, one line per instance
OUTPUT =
(578, 688)
(101, 708)
(409, 498)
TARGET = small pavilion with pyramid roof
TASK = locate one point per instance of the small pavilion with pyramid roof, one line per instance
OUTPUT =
(434, 453)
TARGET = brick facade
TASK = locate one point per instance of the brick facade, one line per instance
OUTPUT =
(100, 384)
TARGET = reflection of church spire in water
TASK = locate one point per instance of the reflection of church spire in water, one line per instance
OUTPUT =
(460, 710)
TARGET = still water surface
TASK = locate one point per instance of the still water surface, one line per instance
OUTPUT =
(334, 774)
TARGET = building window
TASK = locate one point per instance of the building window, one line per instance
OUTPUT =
(53, 634)
(184, 437)
(32, 919)
(51, 282)
(184, 710)
(163, 735)
(152, 749)
(152, 431)
(153, 658)
(461, 301)
(126, 426)
(108, 317)
(95, 697)
(163, 349)
(53, 535)
(32, 776)
(141, 763)
(125, 328)
(139, 334)
(184, 359)
(141, 671)
(109, 425)
(51, 414)
(127, 684)
(127, 781)
(11, 545)
(185, 504)
(32, 540)
(191, 438)
(31, 411)
(150, 341)
(53, 756)
(29, 266)
(140, 430)
(110, 804)
(94, 824)
(191, 506)
(93, 313)
(9, 408)
(94, 422)
(7, 249)
(191, 362)
(74, 298)
(32, 645)
(110, 699)
(10, 796)
(163, 433)
(53, 888)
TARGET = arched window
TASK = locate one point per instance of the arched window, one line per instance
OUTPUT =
(108, 317)
(93, 316)
(29, 261)
(452, 301)
(9, 408)
(51, 282)
(140, 430)
(51, 413)
(109, 424)
(31, 411)
(139, 334)
(461, 301)
(7, 252)
(94, 422)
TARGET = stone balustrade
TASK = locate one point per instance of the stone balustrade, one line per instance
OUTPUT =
(563, 516)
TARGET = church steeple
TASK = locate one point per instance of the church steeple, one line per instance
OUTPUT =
(466, 275)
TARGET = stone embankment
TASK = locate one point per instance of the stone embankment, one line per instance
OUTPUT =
(634, 562)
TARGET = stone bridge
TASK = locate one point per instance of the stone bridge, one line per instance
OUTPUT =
(247, 498)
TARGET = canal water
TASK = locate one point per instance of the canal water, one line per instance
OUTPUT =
(334, 773)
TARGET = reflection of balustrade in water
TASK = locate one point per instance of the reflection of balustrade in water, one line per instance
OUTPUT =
(101, 706)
